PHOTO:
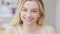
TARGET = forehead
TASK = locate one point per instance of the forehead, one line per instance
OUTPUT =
(31, 4)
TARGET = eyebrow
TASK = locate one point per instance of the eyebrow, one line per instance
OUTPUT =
(32, 9)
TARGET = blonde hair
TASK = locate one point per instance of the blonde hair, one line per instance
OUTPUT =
(17, 20)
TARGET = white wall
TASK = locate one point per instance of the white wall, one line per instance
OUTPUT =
(50, 6)
(58, 16)
(53, 13)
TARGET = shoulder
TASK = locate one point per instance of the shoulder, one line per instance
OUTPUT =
(48, 29)
(9, 30)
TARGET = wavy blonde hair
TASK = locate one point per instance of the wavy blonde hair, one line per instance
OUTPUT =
(17, 20)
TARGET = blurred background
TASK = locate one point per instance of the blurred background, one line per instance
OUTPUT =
(8, 10)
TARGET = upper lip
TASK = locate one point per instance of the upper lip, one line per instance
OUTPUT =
(29, 19)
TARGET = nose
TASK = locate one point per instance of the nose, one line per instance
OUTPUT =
(28, 15)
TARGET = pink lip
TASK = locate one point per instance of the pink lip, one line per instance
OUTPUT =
(29, 20)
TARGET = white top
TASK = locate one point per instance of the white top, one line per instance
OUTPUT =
(45, 29)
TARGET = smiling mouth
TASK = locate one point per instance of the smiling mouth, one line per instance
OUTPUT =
(29, 20)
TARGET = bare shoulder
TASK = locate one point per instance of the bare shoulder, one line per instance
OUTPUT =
(48, 29)
(9, 30)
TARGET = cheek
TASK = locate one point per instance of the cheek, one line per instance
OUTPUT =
(22, 15)
(35, 16)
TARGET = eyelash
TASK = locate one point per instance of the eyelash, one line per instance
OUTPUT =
(34, 11)
(26, 10)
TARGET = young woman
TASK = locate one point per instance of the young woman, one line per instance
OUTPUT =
(29, 19)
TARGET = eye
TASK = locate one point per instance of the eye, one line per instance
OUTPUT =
(34, 11)
(24, 9)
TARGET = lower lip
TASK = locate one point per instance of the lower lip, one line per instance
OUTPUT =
(29, 20)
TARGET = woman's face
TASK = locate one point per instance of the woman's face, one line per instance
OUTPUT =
(30, 12)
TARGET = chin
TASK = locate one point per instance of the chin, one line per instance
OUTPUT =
(28, 23)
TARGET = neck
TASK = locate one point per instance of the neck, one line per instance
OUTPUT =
(30, 27)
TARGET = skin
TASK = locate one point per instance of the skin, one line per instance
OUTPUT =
(29, 15)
